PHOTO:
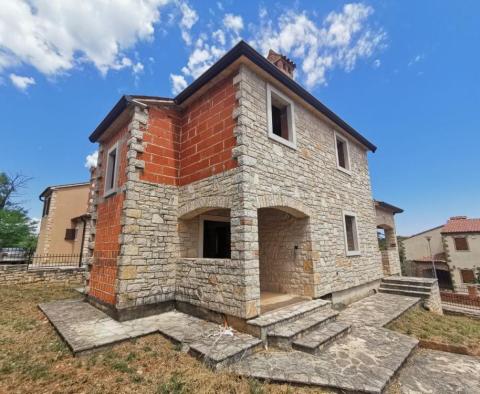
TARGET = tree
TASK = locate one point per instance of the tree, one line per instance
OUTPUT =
(17, 230)
(10, 187)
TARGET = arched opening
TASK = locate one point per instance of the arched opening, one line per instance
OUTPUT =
(205, 234)
(285, 257)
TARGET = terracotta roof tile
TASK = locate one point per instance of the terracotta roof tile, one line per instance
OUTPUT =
(460, 224)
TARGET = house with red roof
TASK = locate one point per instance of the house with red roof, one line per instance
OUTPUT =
(454, 249)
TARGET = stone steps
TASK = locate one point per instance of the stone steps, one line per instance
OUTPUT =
(282, 336)
(320, 338)
(399, 280)
(397, 286)
(405, 292)
(267, 322)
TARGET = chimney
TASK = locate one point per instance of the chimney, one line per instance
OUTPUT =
(458, 218)
(282, 62)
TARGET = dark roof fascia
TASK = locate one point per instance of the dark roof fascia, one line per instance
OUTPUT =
(389, 207)
(121, 105)
(242, 48)
(51, 188)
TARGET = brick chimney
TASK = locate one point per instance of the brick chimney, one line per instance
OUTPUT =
(458, 218)
(282, 62)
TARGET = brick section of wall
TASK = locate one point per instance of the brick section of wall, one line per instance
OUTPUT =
(19, 274)
(108, 227)
(207, 134)
(162, 146)
(283, 267)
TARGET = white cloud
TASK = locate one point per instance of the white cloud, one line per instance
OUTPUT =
(137, 68)
(219, 35)
(377, 63)
(189, 18)
(337, 41)
(55, 36)
(178, 83)
(91, 160)
(416, 59)
(20, 82)
(233, 22)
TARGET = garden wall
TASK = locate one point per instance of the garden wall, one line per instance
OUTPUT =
(20, 274)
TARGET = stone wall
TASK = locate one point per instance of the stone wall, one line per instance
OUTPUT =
(211, 284)
(20, 274)
(285, 253)
(434, 302)
(309, 174)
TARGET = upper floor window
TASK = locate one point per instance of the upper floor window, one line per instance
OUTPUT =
(70, 234)
(111, 171)
(280, 113)
(351, 234)
(342, 153)
(46, 206)
(461, 243)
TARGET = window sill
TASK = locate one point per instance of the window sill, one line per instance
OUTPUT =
(344, 170)
(353, 253)
(110, 192)
(283, 141)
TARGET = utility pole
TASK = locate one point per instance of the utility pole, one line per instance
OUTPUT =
(429, 238)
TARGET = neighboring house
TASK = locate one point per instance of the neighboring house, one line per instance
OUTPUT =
(64, 225)
(455, 249)
(240, 190)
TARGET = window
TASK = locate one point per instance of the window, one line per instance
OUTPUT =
(215, 238)
(46, 206)
(461, 243)
(351, 236)
(281, 125)
(467, 276)
(341, 149)
(70, 234)
(111, 175)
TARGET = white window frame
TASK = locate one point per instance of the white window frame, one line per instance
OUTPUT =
(201, 221)
(292, 140)
(338, 136)
(351, 252)
(112, 190)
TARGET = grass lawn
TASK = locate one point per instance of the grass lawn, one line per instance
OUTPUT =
(33, 358)
(452, 330)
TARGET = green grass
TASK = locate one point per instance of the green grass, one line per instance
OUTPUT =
(453, 330)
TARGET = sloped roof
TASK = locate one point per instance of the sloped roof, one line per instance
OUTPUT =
(461, 224)
(239, 50)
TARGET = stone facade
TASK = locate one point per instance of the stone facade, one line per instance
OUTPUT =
(265, 189)
(19, 274)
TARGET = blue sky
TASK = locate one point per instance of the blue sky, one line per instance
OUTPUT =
(403, 73)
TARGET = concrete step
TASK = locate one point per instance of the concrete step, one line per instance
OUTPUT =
(387, 285)
(321, 337)
(282, 336)
(265, 323)
(407, 293)
(407, 280)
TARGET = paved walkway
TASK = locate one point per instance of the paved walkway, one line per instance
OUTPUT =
(431, 371)
(85, 328)
(364, 360)
(377, 310)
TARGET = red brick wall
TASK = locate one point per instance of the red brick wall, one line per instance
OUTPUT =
(183, 147)
(207, 134)
(162, 150)
(108, 228)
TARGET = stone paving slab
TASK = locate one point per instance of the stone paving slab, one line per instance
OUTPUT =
(377, 310)
(85, 328)
(431, 371)
(287, 313)
(365, 360)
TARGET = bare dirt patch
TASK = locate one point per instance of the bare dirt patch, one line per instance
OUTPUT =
(34, 359)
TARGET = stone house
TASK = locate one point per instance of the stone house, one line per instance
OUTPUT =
(455, 249)
(64, 228)
(241, 194)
